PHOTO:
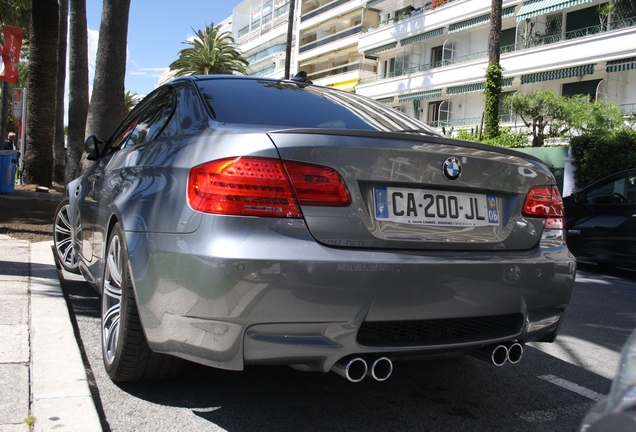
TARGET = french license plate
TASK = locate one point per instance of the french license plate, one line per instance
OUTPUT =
(431, 207)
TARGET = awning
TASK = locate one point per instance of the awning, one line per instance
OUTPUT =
(469, 88)
(380, 48)
(373, 3)
(621, 65)
(482, 19)
(558, 74)
(422, 36)
(428, 94)
(346, 85)
(534, 8)
(386, 100)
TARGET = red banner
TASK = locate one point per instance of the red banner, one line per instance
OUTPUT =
(11, 53)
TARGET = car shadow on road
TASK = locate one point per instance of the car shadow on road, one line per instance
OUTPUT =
(453, 394)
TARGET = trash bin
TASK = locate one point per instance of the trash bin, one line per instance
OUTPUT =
(8, 166)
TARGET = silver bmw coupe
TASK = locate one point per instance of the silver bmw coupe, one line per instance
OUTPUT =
(236, 221)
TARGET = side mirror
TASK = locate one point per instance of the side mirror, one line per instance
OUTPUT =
(578, 198)
(91, 147)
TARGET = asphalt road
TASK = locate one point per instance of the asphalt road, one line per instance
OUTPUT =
(551, 389)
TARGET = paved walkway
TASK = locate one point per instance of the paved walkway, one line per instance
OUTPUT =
(42, 377)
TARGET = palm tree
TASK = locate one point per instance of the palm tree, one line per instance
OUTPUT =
(212, 52)
(77, 87)
(59, 162)
(38, 157)
(130, 101)
(494, 76)
(106, 108)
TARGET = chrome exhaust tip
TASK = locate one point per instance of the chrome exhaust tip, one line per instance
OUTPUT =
(353, 368)
(381, 369)
(495, 354)
(515, 353)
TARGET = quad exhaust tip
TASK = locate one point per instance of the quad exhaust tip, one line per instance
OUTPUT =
(500, 354)
(356, 368)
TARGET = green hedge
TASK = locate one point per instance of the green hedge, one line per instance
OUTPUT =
(600, 155)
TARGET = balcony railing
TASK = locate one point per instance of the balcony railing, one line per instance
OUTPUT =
(402, 17)
(323, 9)
(279, 14)
(341, 70)
(531, 42)
(324, 41)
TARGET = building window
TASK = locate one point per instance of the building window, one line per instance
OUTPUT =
(586, 88)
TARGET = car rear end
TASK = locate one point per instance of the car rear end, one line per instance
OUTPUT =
(339, 244)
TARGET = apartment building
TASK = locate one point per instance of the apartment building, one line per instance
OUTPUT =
(324, 41)
(432, 56)
(259, 28)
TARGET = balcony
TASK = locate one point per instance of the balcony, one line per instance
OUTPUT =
(537, 54)
(323, 9)
(338, 70)
(329, 39)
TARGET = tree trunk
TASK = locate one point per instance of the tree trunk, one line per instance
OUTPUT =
(106, 108)
(77, 87)
(494, 76)
(59, 141)
(494, 35)
(41, 93)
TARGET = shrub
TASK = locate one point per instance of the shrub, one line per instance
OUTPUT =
(601, 154)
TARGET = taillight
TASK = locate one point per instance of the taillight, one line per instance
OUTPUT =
(254, 186)
(545, 202)
(317, 185)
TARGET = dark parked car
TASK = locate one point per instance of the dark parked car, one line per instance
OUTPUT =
(237, 221)
(601, 221)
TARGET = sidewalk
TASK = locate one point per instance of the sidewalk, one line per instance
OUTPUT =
(42, 377)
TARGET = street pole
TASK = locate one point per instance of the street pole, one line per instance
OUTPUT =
(290, 32)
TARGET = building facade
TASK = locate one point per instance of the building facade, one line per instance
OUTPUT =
(432, 60)
(429, 58)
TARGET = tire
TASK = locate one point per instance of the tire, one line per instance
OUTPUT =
(125, 350)
(62, 240)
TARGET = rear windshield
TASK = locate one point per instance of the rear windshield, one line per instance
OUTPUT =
(289, 104)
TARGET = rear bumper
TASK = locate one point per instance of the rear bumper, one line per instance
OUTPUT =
(272, 295)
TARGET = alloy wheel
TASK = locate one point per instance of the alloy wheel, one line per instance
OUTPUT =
(111, 299)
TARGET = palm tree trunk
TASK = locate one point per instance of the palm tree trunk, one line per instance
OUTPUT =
(41, 92)
(59, 164)
(106, 108)
(492, 91)
(77, 87)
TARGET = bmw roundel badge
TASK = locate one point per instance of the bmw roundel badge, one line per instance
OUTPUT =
(452, 168)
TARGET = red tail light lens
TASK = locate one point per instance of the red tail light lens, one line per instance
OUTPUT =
(545, 202)
(261, 187)
(318, 185)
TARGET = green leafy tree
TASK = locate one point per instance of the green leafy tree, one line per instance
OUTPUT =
(211, 52)
(543, 112)
(130, 101)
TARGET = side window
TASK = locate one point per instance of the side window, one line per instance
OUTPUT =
(152, 120)
(620, 191)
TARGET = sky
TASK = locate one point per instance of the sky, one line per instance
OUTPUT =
(156, 30)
